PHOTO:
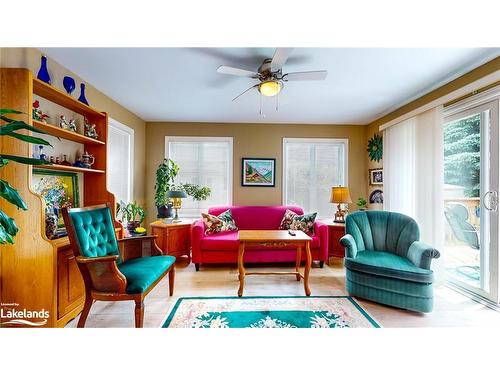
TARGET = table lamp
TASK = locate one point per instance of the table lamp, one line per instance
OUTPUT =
(340, 195)
(176, 196)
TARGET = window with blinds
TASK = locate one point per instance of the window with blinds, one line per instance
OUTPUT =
(310, 168)
(205, 161)
(120, 161)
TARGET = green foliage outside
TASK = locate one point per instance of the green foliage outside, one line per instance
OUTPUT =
(462, 142)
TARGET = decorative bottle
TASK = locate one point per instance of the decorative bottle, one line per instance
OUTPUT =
(82, 97)
(43, 73)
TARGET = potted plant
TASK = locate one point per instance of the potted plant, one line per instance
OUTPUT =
(198, 193)
(362, 204)
(165, 175)
(133, 215)
(9, 128)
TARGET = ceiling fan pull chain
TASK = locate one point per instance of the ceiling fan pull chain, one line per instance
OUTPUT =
(260, 110)
(277, 102)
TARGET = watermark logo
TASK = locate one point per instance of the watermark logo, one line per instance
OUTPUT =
(12, 315)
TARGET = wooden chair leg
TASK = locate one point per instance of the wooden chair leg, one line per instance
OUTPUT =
(85, 312)
(171, 281)
(139, 312)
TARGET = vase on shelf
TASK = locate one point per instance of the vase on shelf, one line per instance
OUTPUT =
(69, 84)
(43, 73)
(51, 220)
(82, 97)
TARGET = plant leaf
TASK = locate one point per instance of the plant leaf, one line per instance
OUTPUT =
(11, 195)
(6, 119)
(8, 223)
(5, 237)
(23, 160)
(29, 139)
(7, 110)
(16, 125)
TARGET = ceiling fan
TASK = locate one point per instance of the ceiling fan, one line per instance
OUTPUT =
(270, 74)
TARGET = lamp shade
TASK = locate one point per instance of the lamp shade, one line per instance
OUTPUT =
(340, 194)
(176, 194)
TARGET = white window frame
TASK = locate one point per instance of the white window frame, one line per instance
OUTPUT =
(286, 141)
(208, 139)
(128, 130)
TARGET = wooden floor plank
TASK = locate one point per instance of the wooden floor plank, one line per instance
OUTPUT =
(451, 309)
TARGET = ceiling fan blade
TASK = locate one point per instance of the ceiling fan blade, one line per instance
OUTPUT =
(244, 92)
(237, 72)
(279, 58)
(316, 75)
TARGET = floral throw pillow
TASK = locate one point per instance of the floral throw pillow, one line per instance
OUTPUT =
(221, 223)
(287, 220)
(305, 223)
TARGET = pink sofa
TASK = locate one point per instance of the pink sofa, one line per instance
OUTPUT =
(223, 247)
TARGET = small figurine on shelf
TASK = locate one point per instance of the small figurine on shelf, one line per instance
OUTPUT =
(65, 160)
(42, 155)
(87, 160)
(63, 123)
(90, 130)
(72, 125)
(37, 113)
(78, 163)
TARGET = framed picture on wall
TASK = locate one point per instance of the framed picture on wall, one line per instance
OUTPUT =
(58, 189)
(376, 176)
(258, 172)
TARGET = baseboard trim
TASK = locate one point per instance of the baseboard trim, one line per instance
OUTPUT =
(472, 296)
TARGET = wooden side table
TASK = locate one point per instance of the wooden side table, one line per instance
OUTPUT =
(173, 238)
(335, 233)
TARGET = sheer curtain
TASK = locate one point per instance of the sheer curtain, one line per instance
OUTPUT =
(413, 175)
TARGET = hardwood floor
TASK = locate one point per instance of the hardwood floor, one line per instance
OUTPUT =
(451, 309)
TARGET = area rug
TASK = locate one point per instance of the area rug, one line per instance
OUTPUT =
(269, 312)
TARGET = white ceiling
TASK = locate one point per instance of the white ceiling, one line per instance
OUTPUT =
(182, 85)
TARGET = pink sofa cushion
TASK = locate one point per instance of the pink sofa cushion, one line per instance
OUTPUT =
(228, 241)
(257, 217)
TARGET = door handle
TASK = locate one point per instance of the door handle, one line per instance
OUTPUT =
(493, 200)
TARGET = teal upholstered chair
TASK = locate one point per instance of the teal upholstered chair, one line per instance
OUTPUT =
(114, 270)
(385, 261)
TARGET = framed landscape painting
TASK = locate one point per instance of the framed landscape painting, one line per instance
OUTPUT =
(258, 172)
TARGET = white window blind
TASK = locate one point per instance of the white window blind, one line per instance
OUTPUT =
(310, 168)
(205, 161)
(120, 161)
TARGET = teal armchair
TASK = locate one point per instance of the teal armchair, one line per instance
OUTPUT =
(114, 270)
(385, 261)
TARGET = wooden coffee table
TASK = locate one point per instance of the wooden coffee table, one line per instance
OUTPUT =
(275, 239)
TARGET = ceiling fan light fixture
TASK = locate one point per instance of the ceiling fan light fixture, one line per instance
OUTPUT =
(270, 88)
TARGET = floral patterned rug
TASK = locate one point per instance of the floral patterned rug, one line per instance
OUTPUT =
(269, 312)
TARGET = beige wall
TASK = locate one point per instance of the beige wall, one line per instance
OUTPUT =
(370, 131)
(257, 140)
(30, 58)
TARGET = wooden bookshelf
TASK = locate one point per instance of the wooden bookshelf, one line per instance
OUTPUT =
(64, 100)
(38, 273)
(69, 168)
(56, 131)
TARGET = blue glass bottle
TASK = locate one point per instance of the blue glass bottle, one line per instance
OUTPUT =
(82, 97)
(43, 73)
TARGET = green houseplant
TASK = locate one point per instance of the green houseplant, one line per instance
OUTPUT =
(132, 214)
(9, 128)
(361, 203)
(165, 175)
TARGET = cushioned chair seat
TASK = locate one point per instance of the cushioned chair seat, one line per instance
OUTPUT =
(142, 272)
(228, 241)
(387, 264)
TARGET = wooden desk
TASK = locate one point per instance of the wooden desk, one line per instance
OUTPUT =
(335, 233)
(173, 238)
(276, 239)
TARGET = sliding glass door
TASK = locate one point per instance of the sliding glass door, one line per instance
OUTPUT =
(471, 184)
